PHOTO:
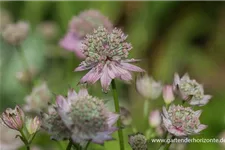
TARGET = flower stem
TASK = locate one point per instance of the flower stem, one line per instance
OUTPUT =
(25, 141)
(88, 143)
(70, 144)
(117, 108)
(146, 108)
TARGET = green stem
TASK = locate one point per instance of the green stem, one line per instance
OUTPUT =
(146, 108)
(88, 143)
(70, 144)
(161, 147)
(167, 146)
(117, 108)
(26, 143)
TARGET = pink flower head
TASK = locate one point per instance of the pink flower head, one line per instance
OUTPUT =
(182, 121)
(168, 95)
(86, 117)
(190, 90)
(106, 55)
(13, 118)
(155, 118)
(81, 25)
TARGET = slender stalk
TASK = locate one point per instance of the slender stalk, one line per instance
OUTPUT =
(117, 108)
(88, 143)
(25, 140)
(146, 108)
(70, 144)
(162, 145)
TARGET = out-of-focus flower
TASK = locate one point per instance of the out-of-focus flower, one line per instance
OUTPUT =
(82, 25)
(38, 99)
(182, 121)
(8, 140)
(148, 87)
(168, 95)
(190, 90)
(138, 142)
(13, 118)
(125, 116)
(48, 29)
(154, 118)
(106, 55)
(15, 34)
(53, 124)
(33, 125)
(86, 117)
(5, 19)
(26, 76)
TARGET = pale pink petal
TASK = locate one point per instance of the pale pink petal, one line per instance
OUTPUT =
(166, 122)
(105, 79)
(130, 60)
(165, 113)
(112, 119)
(200, 128)
(83, 92)
(95, 76)
(62, 103)
(198, 113)
(86, 77)
(176, 81)
(186, 76)
(122, 73)
(131, 67)
(82, 67)
(101, 137)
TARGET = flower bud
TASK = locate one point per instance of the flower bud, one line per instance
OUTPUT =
(168, 95)
(33, 125)
(13, 118)
(148, 87)
(15, 34)
(138, 141)
(155, 118)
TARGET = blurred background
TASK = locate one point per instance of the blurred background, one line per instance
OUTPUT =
(169, 37)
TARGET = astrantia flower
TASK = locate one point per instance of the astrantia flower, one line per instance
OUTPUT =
(106, 55)
(138, 141)
(190, 90)
(148, 87)
(182, 121)
(53, 124)
(86, 117)
(82, 25)
(13, 118)
(38, 99)
(15, 34)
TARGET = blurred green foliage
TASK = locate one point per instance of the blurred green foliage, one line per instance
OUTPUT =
(169, 37)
